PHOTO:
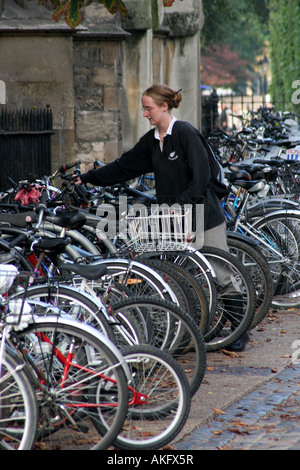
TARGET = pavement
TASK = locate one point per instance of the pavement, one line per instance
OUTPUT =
(250, 400)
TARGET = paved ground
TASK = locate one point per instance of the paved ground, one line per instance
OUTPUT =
(265, 419)
(250, 400)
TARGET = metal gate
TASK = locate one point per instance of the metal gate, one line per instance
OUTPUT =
(25, 147)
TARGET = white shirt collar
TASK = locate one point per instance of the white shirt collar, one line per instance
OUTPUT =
(169, 130)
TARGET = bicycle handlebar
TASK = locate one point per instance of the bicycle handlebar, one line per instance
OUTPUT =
(19, 239)
(68, 166)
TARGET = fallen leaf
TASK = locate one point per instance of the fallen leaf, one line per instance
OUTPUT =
(229, 353)
(210, 368)
(238, 431)
(219, 412)
(238, 424)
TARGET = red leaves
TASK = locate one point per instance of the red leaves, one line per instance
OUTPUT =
(71, 9)
(221, 66)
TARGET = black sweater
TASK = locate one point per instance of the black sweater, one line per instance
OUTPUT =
(182, 171)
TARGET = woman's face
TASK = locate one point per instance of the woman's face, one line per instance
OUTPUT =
(155, 114)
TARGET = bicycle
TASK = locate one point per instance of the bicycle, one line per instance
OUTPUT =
(277, 234)
(56, 349)
(77, 376)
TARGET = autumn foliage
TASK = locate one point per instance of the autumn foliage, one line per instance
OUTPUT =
(70, 9)
(221, 66)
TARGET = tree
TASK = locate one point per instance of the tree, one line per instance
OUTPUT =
(285, 52)
(222, 65)
(238, 28)
(70, 9)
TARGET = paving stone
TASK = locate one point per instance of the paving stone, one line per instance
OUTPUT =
(266, 419)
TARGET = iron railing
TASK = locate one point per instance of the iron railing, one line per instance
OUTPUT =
(232, 112)
(25, 147)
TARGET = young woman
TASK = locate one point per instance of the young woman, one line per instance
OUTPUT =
(175, 152)
(180, 164)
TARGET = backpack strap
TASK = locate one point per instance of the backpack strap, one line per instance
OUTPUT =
(217, 174)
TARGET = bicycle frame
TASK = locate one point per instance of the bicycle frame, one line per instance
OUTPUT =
(66, 360)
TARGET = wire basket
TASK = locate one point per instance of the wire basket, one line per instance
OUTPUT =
(165, 228)
(8, 273)
(11, 311)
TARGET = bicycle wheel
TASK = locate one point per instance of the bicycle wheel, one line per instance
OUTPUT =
(197, 266)
(174, 331)
(138, 278)
(10, 255)
(189, 301)
(196, 294)
(127, 330)
(159, 400)
(253, 259)
(235, 310)
(18, 406)
(282, 230)
(80, 381)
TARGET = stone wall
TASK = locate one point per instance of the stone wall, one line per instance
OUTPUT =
(93, 77)
(165, 50)
(37, 69)
(98, 99)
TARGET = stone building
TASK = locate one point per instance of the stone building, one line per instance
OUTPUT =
(93, 77)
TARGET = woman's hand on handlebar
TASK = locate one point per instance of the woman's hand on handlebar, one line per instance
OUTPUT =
(76, 179)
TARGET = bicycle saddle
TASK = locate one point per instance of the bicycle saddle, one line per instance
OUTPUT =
(68, 219)
(235, 175)
(91, 272)
(52, 245)
(250, 167)
(251, 186)
(264, 161)
(18, 220)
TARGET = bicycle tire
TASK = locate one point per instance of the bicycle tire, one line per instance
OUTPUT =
(284, 227)
(198, 295)
(174, 331)
(194, 305)
(197, 266)
(127, 330)
(18, 406)
(255, 262)
(229, 325)
(154, 423)
(137, 277)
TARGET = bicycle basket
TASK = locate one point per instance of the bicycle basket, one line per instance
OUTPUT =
(12, 310)
(8, 273)
(160, 228)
